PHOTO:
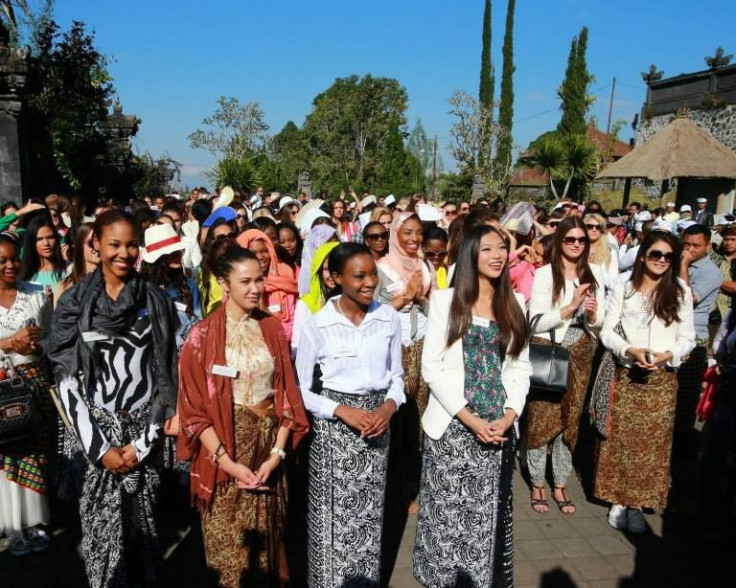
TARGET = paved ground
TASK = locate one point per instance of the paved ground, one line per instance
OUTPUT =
(551, 551)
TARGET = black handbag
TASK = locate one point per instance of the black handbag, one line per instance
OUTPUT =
(20, 410)
(550, 364)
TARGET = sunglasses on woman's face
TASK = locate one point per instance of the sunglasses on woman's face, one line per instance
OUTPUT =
(657, 255)
(593, 227)
(435, 254)
(377, 236)
(573, 240)
(553, 224)
(241, 216)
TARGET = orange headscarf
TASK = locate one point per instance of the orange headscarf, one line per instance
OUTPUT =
(280, 280)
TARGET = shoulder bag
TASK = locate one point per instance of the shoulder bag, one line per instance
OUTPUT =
(20, 411)
(550, 363)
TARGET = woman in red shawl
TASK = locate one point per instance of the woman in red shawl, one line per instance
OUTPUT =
(239, 405)
(280, 286)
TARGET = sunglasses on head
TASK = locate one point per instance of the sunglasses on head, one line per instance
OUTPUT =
(657, 255)
(377, 236)
(593, 227)
(573, 240)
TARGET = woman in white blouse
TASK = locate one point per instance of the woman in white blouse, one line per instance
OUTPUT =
(569, 295)
(356, 343)
(476, 362)
(601, 253)
(649, 328)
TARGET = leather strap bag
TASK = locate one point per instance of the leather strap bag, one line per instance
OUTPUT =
(20, 411)
(550, 363)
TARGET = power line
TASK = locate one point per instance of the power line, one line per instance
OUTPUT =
(593, 93)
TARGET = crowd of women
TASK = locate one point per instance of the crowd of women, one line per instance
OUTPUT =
(371, 353)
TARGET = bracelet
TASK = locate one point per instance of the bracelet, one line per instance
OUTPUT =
(278, 451)
(218, 453)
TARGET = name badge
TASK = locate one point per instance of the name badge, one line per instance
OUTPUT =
(180, 306)
(274, 308)
(223, 370)
(346, 350)
(92, 336)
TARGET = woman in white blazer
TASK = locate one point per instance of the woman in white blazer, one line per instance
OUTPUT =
(476, 363)
(569, 294)
(649, 328)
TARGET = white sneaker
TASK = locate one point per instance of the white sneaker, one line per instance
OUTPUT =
(635, 522)
(617, 516)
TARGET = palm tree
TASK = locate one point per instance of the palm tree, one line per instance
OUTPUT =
(581, 160)
(8, 12)
(547, 156)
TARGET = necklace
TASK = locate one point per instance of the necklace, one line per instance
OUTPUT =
(340, 310)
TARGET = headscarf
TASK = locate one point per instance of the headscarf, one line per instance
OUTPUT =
(85, 307)
(314, 299)
(316, 237)
(280, 280)
(403, 264)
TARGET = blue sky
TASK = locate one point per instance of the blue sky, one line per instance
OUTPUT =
(171, 60)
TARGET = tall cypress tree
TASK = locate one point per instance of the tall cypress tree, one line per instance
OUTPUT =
(574, 89)
(486, 85)
(506, 108)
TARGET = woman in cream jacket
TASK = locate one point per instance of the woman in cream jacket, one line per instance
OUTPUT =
(649, 328)
(476, 362)
(569, 294)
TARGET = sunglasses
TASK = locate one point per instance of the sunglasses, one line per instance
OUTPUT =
(435, 254)
(592, 227)
(241, 216)
(465, 209)
(573, 240)
(227, 237)
(553, 223)
(377, 236)
(657, 255)
(451, 213)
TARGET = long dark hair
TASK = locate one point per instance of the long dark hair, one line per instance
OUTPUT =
(30, 260)
(582, 267)
(79, 265)
(509, 316)
(669, 293)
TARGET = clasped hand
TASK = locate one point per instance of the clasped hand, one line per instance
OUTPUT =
(371, 424)
(120, 460)
(639, 355)
(247, 479)
(494, 431)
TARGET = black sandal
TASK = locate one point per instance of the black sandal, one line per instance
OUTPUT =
(565, 502)
(540, 501)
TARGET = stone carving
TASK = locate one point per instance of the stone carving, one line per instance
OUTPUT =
(304, 184)
(479, 187)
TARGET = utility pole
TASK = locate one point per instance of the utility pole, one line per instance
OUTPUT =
(610, 106)
(434, 170)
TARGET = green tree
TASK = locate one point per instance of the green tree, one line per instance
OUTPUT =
(399, 171)
(154, 174)
(239, 174)
(68, 92)
(506, 107)
(486, 89)
(574, 89)
(422, 148)
(234, 131)
(288, 155)
(347, 130)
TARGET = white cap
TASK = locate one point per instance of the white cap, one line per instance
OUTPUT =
(725, 219)
(428, 213)
(670, 203)
(686, 208)
(702, 201)
(685, 224)
(288, 200)
(661, 225)
(390, 199)
(638, 226)
(643, 216)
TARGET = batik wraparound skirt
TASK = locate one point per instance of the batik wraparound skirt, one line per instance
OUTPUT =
(347, 482)
(28, 461)
(243, 530)
(464, 529)
(633, 462)
(119, 513)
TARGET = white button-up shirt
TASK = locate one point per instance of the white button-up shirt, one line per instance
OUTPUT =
(353, 359)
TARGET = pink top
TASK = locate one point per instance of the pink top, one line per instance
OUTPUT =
(522, 277)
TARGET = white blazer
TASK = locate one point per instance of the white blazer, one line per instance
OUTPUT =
(678, 337)
(443, 368)
(540, 302)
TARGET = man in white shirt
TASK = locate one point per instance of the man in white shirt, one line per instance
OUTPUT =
(670, 214)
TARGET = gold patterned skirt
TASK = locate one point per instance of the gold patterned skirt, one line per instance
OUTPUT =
(546, 419)
(633, 462)
(243, 530)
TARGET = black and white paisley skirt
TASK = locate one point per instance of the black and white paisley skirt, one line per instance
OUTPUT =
(347, 482)
(464, 529)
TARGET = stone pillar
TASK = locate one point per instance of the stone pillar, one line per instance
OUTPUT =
(305, 185)
(479, 187)
(12, 81)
